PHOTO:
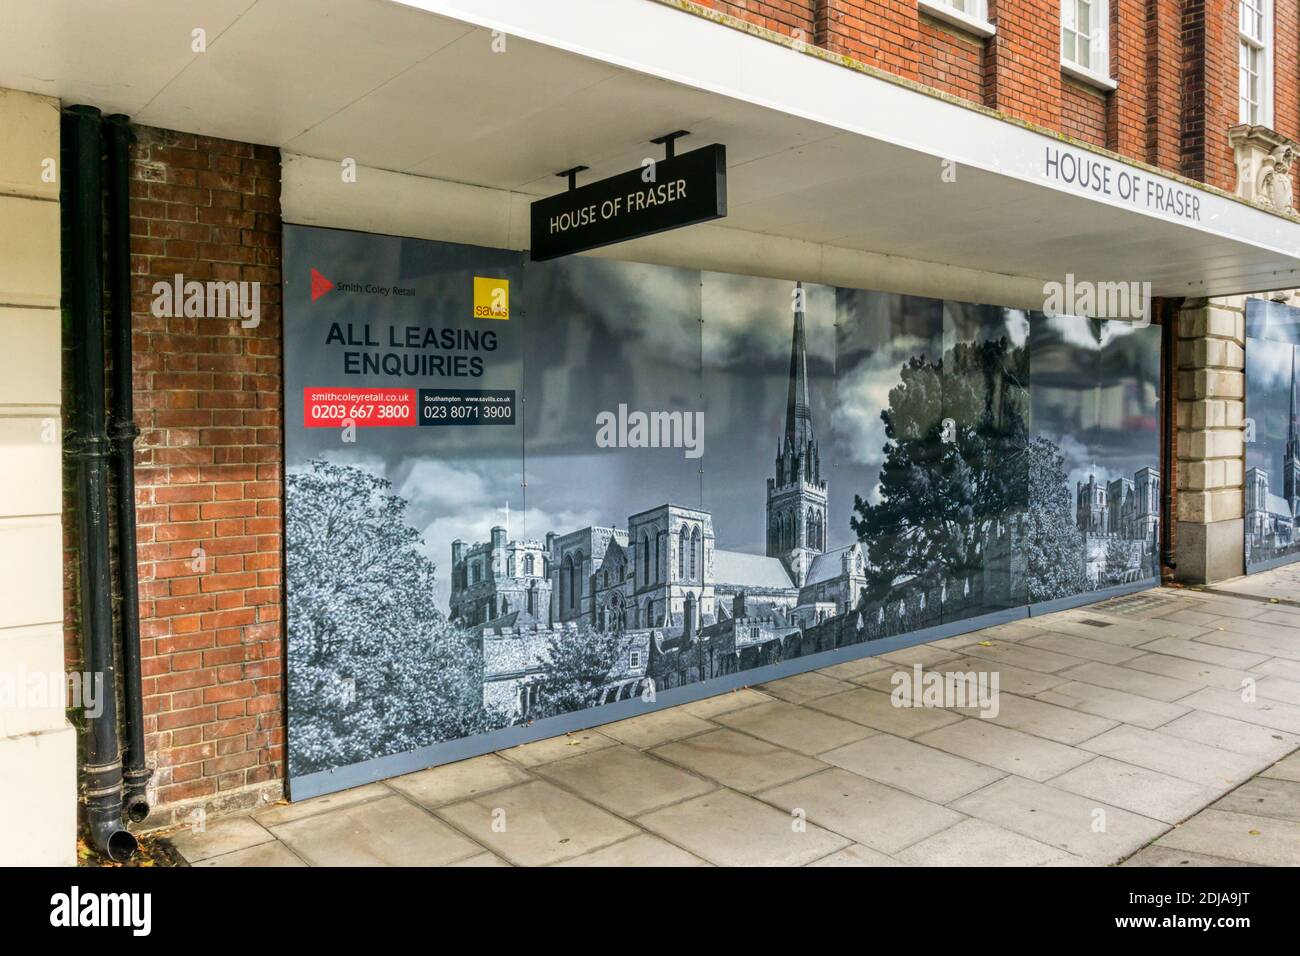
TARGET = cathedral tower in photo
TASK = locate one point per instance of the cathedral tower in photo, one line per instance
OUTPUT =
(796, 497)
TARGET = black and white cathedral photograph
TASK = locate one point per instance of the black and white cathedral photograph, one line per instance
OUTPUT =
(757, 471)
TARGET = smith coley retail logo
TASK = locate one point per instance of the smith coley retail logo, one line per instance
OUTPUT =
(74, 909)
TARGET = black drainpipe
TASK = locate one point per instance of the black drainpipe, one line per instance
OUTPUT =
(125, 433)
(89, 448)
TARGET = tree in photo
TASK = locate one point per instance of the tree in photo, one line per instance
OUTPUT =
(944, 487)
(374, 667)
(581, 662)
(1052, 537)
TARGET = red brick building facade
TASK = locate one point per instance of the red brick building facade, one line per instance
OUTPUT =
(209, 392)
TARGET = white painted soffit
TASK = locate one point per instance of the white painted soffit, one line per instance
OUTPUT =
(820, 157)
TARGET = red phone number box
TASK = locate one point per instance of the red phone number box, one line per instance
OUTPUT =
(362, 407)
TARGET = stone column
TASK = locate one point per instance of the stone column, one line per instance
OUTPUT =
(1210, 448)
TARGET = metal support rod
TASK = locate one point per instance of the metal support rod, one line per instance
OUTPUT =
(572, 175)
(669, 142)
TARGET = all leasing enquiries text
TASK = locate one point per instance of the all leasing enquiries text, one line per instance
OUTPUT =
(637, 201)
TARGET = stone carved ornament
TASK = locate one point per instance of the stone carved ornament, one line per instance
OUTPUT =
(1264, 159)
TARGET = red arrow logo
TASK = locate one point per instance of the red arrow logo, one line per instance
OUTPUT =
(319, 285)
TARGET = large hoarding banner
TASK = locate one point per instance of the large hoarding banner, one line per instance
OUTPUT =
(525, 497)
(1272, 434)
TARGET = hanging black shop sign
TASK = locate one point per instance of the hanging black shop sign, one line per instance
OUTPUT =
(675, 192)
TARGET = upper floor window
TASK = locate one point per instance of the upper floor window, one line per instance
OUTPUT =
(971, 16)
(1085, 39)
(1255, 37)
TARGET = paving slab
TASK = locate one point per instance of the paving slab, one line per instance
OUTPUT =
(802, 688)
(867, 812)
(875, 709)
(483, 859)
(1042, 719)
(1132, 682)
(801, 729)
(927, 655)
(1023, 655)
(852, 670)
(1264, 796)
(624, 780)
(1279, 688)
(1011, 631)
(286, 812)
(557, 748)
(219, 836)
(640, 850)
(661, 726)
(1086, 648)
(1157, 855)
(459, 780)
(710, 707)
(1288, 768)
(1011, 679)
(536, 823)
(738, 760)
(1266, 640)
(855, 854)
(1235, 735)
(1148, 792)
(1186, 758)
(1114, 704)
(1124, 631)
(1064, 820)
(271, 855)
(729, 829)
(1279, 667)
(388, 832)
(1005, 748)
(923, 771)
(1237, 836)
(1195, 672)
(976, 842)
(1263, 712)
(1206, 653)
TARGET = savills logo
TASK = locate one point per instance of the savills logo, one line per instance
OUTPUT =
(491, 298)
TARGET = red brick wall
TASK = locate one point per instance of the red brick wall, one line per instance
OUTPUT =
(1174, 62)
(1083, 112)
(208, 469)
(951, 60)
(880, 33)
(1209, 91)
(1164, 55)
(783, 16)
(1126, 111)
(1025, 60)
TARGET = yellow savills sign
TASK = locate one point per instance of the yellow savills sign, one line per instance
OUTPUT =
(491, 298)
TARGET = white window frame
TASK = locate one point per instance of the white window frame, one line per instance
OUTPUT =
(971, 16)
(1096, 71)
(1264, 45)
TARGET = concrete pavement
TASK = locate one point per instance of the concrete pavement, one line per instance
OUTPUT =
(1153, 729)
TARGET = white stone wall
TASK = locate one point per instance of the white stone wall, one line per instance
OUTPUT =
(37, 744)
